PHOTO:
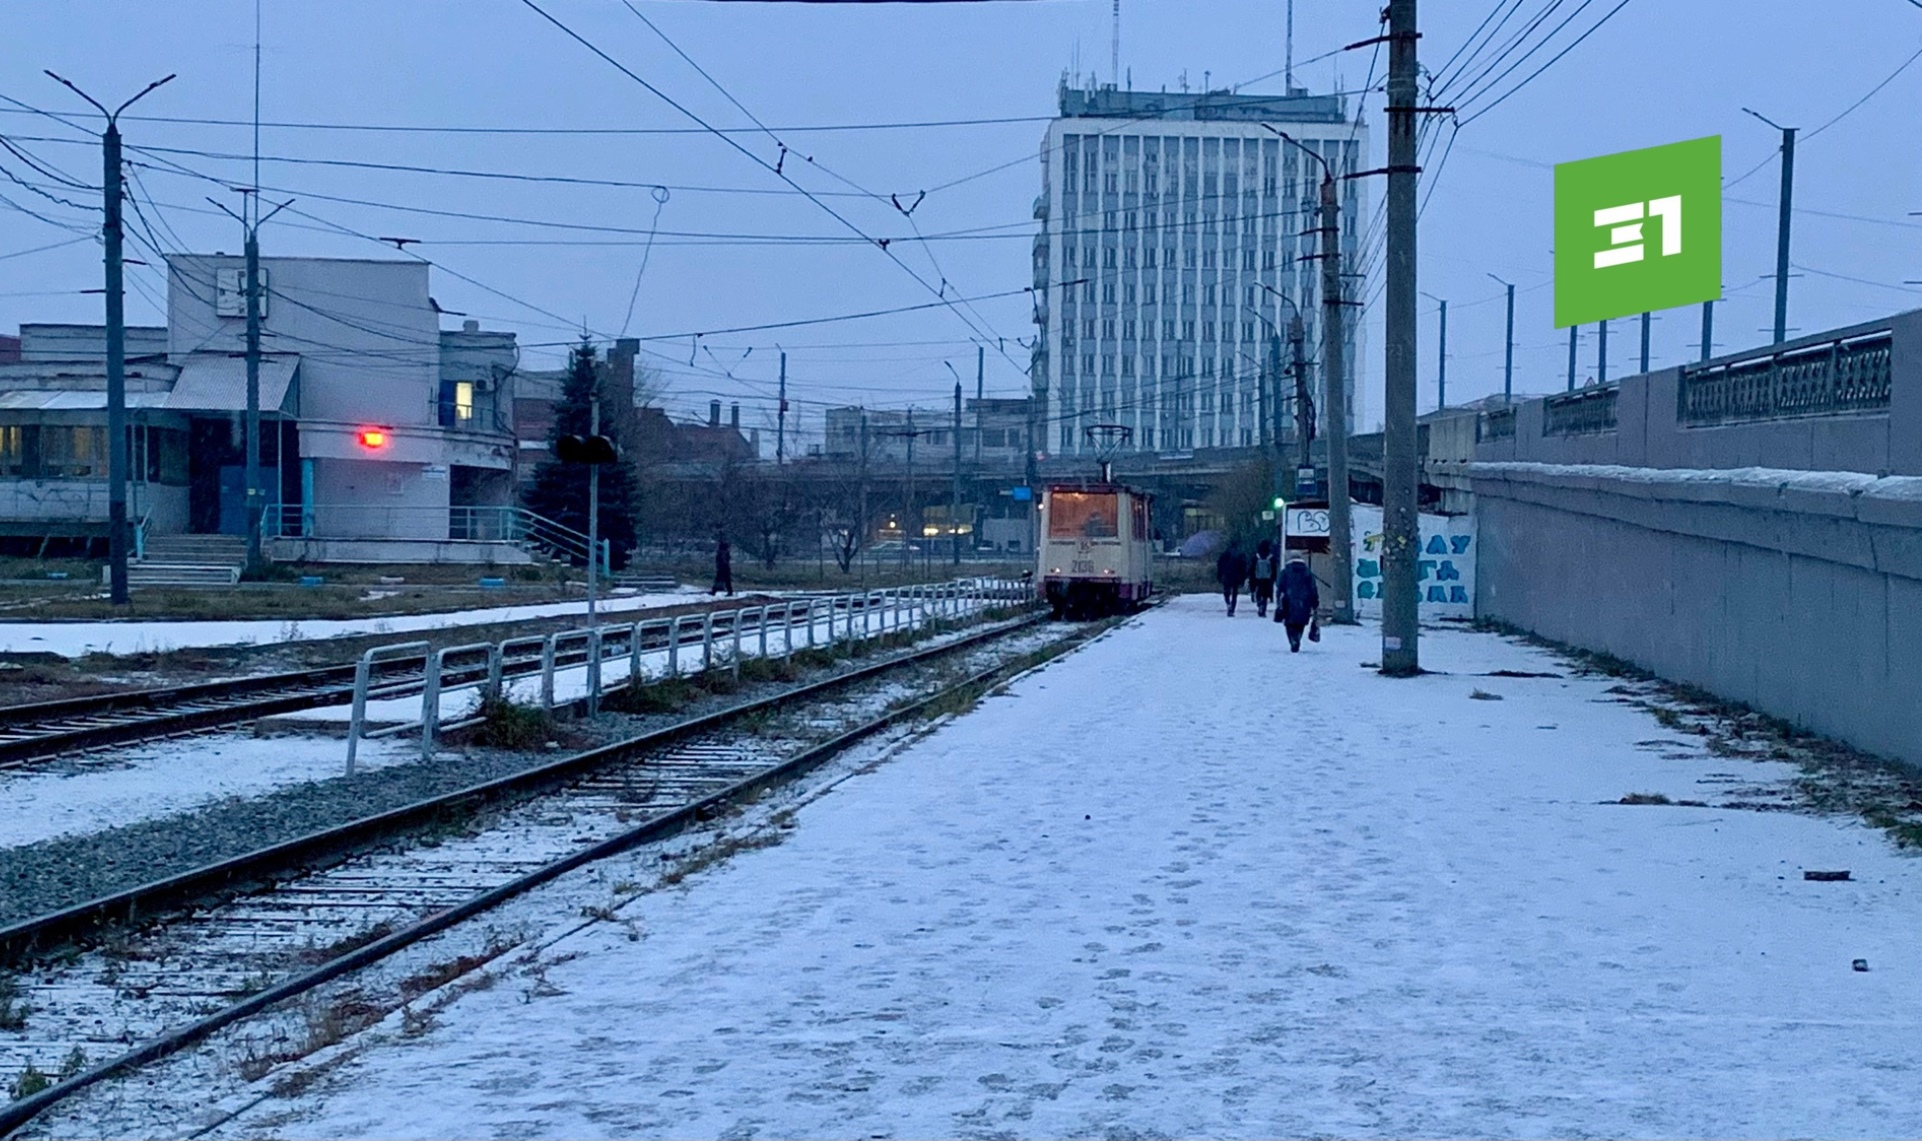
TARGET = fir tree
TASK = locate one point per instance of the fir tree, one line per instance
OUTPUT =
(559, 490)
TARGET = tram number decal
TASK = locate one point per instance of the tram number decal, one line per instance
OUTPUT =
(1081, 566)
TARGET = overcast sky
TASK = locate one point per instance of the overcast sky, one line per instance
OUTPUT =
(1657, 71)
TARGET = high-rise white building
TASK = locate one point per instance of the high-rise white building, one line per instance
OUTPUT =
(1174, 229)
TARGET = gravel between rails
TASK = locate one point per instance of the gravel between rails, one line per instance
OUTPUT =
(43, 877)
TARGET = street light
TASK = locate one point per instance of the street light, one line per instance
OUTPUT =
(1782, 224)
(1508, 351)
(1441, 378)
(1334, 382)
(117, 459)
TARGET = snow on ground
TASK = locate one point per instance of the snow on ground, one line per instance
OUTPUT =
(168, 777)
(75, 639)
(1186, 883)
(161, 778)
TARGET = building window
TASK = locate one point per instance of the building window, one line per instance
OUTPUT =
(1127, 330)
(1148, 291)
(13, 457)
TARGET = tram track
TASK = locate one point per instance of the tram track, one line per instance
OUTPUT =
(351, 890)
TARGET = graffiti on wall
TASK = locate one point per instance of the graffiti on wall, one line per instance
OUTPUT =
(1444, 571)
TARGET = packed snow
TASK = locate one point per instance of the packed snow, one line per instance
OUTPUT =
(77, 639)
(1186, 883)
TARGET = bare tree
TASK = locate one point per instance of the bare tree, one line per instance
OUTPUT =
(846, 512)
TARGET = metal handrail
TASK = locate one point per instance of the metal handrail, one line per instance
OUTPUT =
(882, 612)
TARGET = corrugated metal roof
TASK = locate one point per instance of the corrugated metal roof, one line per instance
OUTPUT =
(217, 382)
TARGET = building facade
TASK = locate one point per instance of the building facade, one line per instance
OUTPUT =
(994, 432)
(383, 436)
(1178, 234)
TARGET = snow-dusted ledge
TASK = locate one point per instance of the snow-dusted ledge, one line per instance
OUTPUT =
(1882, 500)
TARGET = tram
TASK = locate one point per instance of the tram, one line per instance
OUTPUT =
(1094, 558)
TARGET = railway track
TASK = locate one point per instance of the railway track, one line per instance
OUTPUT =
(65, 727)
(300, 915)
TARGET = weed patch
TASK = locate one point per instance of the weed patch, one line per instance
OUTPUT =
(506, 724)
(13, 1012)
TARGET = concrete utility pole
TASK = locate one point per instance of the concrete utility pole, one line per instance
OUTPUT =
(954, 493)
(1335, 404)
(1601, 354)
(594, 511)
(780, 418)
(862, 522)
(1508, 347)
(1573, 334)
(980, 371)
(1401, 526)
(1304, 407)
(1783, 205)
(1033, 477)
(1708, 329)
(1441, 356)
(250, 282)
(117, 465)
(1645, 318)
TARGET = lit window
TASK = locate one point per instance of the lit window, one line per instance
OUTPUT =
(464, 400)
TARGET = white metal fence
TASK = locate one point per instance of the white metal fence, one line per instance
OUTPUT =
(615, 657)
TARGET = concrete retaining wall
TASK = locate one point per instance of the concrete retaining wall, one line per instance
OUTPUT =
(1796, 592)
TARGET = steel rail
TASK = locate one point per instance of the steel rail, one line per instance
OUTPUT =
(333, 841)
(35, 730)
(20, 940)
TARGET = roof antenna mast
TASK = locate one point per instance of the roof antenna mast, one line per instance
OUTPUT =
(1114, 47)
(1288, 53)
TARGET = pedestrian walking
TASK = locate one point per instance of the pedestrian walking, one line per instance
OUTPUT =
(1231, 570)
(723, 566)
(1297, 601)
(1262, 577)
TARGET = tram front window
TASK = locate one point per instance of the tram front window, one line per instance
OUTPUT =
(1083, 515)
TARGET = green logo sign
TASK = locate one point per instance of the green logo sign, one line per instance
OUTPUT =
(1637, 231)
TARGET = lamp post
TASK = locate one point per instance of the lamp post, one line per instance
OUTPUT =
(1508, 347)
(1783, 204)
(1441, 362)
(1334, 386)
(117, 465)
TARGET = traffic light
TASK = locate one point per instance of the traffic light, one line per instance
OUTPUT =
(586, 450)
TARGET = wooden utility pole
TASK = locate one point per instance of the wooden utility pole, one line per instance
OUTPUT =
(1401, 526)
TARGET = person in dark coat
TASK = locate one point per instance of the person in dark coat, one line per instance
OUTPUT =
(723, 566)
(1231, 570)
(1261, 576)
(1296, 600)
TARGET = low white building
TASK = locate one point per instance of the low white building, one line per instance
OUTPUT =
(384, 438)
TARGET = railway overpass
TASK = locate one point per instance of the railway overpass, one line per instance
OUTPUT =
(1750, 524)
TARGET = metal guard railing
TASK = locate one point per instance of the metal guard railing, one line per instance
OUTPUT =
(1580, 412)
(682, 645)
(1850, 375)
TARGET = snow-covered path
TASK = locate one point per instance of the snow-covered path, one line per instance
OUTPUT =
(76, 639)
(1186, 883)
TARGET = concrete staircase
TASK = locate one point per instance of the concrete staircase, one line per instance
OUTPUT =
(190, 560)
